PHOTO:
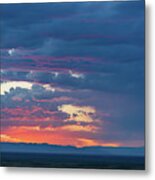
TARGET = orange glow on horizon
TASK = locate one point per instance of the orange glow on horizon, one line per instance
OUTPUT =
(49, 136)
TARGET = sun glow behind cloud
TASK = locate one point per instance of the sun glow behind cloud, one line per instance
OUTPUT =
(78, 113)
(6, 138)
(6, 86)
(59, 137)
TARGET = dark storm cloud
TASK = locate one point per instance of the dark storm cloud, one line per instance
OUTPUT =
(110, 32)
(119, 78)
(91, 53)
(33, 24)
(33, 97)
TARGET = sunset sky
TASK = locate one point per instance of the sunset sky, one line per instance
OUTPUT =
(73, 73)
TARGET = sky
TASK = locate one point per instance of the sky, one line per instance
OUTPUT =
(73, 73)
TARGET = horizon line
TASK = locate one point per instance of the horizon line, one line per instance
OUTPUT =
(31, 143)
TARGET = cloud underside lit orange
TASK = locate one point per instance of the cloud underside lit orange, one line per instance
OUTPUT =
(34, 128)
(59, 136)
(67, 124)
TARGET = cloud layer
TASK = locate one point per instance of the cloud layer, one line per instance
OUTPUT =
(73, 73)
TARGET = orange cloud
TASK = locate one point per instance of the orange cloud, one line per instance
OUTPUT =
(60, 135)
(34, 135)
(74, 135)
(6, 138)
(88, 128)
(39, 125)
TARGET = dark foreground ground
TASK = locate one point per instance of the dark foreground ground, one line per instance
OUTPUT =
(71, 161)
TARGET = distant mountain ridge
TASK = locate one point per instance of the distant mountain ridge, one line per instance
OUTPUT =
(56, 149)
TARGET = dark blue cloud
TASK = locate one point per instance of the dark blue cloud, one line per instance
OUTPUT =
(70, 22)
(94, 49)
